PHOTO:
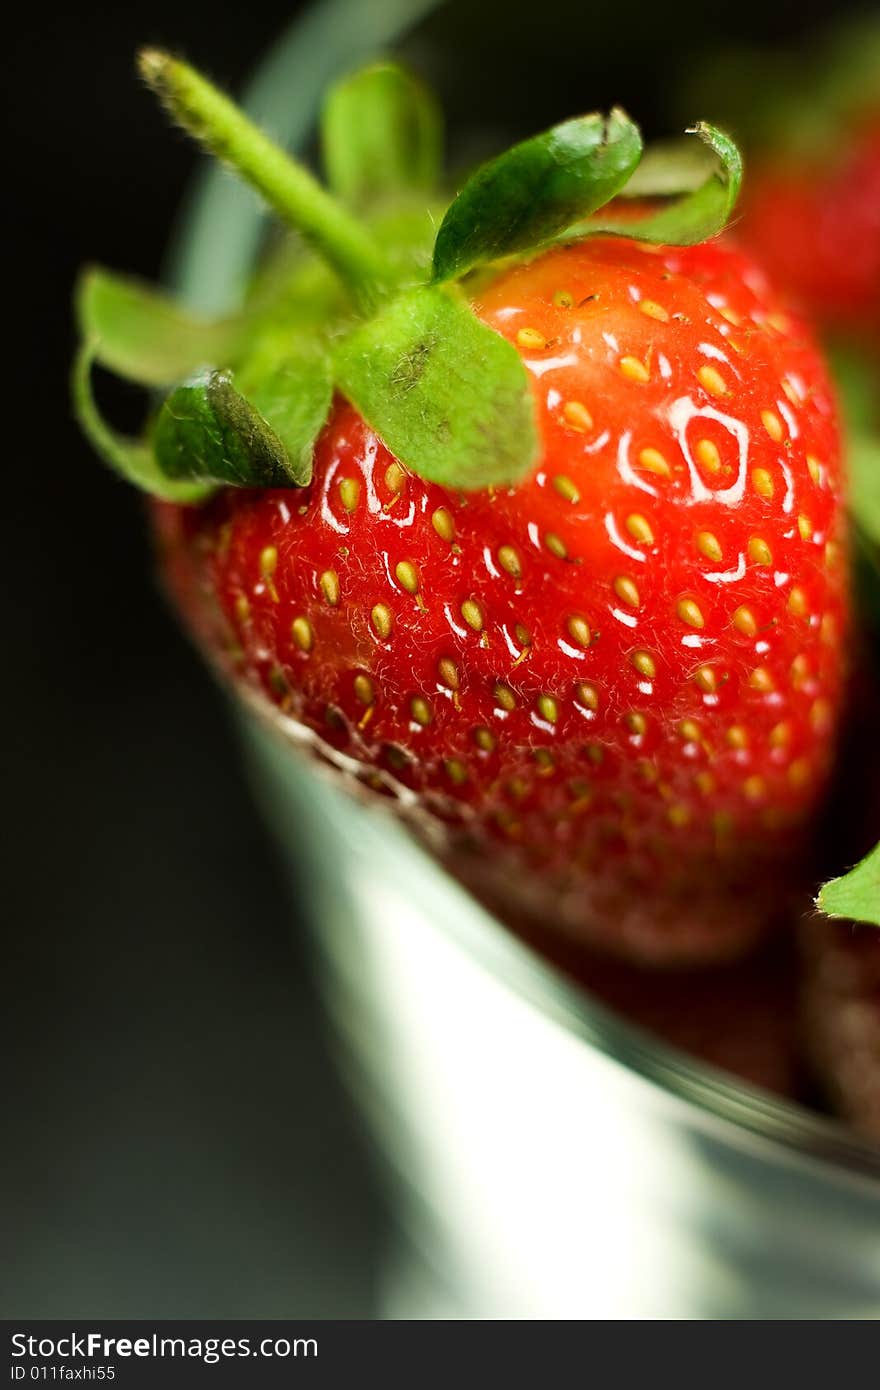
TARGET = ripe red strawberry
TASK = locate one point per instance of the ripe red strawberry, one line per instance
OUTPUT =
(625, 670)
(816, 228)
(613, 679)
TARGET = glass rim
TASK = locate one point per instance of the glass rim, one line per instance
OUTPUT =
(216, 238)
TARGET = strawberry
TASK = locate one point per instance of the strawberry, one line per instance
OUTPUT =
(564, 570)
(816, 228)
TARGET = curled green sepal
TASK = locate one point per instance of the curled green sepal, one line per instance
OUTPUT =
(535, 191)
(381, 135)
(855, 896)
(208, 432)
(698, 212)
(448, 396)
(143, 334)
(132, 459)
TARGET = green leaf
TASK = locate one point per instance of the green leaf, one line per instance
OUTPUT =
(856, 895)
(206, 431)
(864, 485)
(697, 214)
(381, 134)
(131, 458)
(449, 396)
(536, 191)
(291, 386)
(142, 334)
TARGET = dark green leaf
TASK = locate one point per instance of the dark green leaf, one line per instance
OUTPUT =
(142, 334)
(291, 386)
(536, 191)
(131, 458)
(856, 895)
(700, 213)
(381, 135)
(207, 431)
(449, 397)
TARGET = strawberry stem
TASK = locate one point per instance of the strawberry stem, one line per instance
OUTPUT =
(217, 123)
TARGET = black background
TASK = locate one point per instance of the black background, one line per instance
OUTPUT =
(176, 1143)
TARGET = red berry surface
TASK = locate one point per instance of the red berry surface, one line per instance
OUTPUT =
(617, 683)
(817, 230)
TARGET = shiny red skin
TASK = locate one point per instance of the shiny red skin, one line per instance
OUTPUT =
(817, 231)
(603, 811)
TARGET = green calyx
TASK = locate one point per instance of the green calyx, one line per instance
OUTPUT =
(369, 306)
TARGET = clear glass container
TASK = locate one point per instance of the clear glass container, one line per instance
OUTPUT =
(549, 1159)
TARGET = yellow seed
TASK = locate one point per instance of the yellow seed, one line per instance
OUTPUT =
(448, 672)
(545, 760)
(518, 788)
(268, 564)
(636, 722)
(349, 493)
(772, 424)
(634, 369)
(504, 696)
(690, 730)
(472, 614)
(708, 455)
(407, 576)
(762, 482)
(805, 527)
(780, 735)
(755, 787)
(242, 608)
(647, 771)
(455, 770)
(731, 315)
(645, 664)
(778, 321)
(745, 622)
(640, 528)
(531, 338)
(563, 299)
(579, 630)
(382, 619)
(508, 559)
(303, 634)
(706, 679)
(595, 752)
(759, 551)
(484, 739)
(575, 413)
(364, 689)
(707, 544)
(443, 523)
(566, 488)
(679, 815)
(800, 772)
(832, 555)
(798, 603)
(711, 380)
(421, 710)
(690, 612)
(705, 783)
(522, 634)
(556, 545)
(761, 680)
(626, 590)
(548, 708)
(329, 583)
(394, 478)
(737, 736)
(653, 310)
(828, 629)
(580, 792)
(587, 695)
(817, 472)
(799, 670)
(653, 462)
(821, 715)
(791, 391)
